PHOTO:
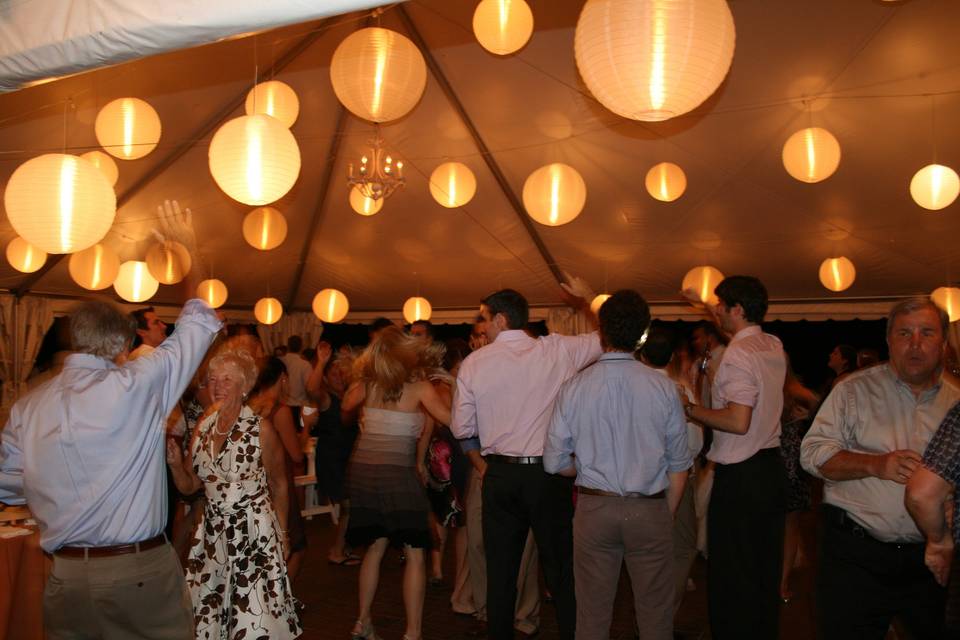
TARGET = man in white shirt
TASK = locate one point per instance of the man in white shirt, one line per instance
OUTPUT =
(298, 373)
(151, 331)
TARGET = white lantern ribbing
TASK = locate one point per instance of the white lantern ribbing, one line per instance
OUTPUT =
(274, 98)
(703, 280)
(811, 154)
(213, 292)
(452, 184)
(655, 59)
(134, 282)
(128, 128)
(935, 186)
(666, 181)
(94, 268)
(948, 299)
(268, 310)
(60, 203)
(598, 302)
(554, 194)
(254, 159)
(330, 305)
(502, 26)
(264, 228)
(837, 274)
(363, 205)
(378, 74)
(416, 308)
(105, 163)
(169, 262)
(25, 257)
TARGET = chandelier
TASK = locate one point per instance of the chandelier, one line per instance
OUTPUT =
(378, 175)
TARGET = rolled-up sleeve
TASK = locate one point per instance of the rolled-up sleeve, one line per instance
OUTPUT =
(558, 447)
(737, 383)
(469, 444)
(11, 461)
(463, 423)
(826, 436)
(678, 448)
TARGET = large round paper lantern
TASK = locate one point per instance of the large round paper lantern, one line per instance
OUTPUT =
(948, 299)
(416, 308)
(94, 268)
(653, 60)
(213, 292)
(169, 262)
(254, 159)
(264, 228)
(598, 302)
(274, 98)
(128, 128)
(378, 74)
(134, 282)
(363, 205)
(554, 194)
(837, 274)
(811, 154)
(105, 163)
(330, 305)
(25, 257)
(60, 203)
(268, 310)
(502, 26)
(666, 181)
(452, 184)
(703, 280)
(935, 187)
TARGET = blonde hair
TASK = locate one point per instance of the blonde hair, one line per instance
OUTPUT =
(394, 359)
(241, 359)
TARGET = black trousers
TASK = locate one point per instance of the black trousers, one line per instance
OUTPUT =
(517, 498)
(745, 525)
(864, 583)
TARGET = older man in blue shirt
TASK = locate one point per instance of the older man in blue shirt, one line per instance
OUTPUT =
(620, 428)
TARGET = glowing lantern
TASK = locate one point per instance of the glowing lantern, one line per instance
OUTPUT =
(656, 59)
(268, 310)
(811, 155)
(128, 128)
(213, 292)
(363, 205)
(554, 194)
(254, 159)
(378, 74)
(94, 268)
(60, 203)
(169, 262)
(275, 99)
(502, 26)
(666, 182)
(264, 228)
(105, 163)
(134, 282)
(837, 274)
(416, 308)
(948, 299)
(703, 280)
(452, 184)
(598, 302)
(330, 305)
(25, 257)
(935, 187)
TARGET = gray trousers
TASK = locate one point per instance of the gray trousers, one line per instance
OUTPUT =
(684, 542)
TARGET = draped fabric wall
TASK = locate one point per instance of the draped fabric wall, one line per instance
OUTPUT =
(568, 322)
(306, 325)
(23, 324)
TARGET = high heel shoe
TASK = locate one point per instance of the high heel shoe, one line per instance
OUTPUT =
(364, 632)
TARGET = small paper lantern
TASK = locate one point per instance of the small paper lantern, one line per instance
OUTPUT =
(452, 184)
(94, 268)
(502, 26)
(330, 305)
(811, 155)
(254, 159)
(169, 262)
(268, 310)
(363, 205)
(666, 181)
(105, 163)
(264, 228)
(837, 274)
(378, 74)
(416, 308)
(703, 280)
(598, 302)
(948, 299)
(128, 128)
(60, 203)
(134, 282)
(935, 187)
(25, 257)
(554, 194)
(213, 292)
(274, 98)
(656, 59)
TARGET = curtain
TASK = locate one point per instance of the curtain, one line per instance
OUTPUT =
(568, 322)
(305, 325)
(23, 324)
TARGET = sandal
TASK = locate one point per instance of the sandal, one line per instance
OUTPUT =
(364, 632)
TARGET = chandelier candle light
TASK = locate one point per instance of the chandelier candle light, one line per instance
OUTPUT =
(378, 176)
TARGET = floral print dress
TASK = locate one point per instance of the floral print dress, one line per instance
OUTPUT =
(235, 572)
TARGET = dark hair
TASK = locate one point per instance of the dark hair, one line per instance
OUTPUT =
(746, 291)
(140, 315)
(623, 319)
(424, 323)
(710, 329)
(457, 350)
(294, 344)
(916, 304)
(380, 323)
(270, 371)
(658, 349)
(511, 304)
(309, 354)
(849, 354)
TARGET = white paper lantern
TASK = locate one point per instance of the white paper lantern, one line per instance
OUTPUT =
(378, 74)
(554, 194)
(213, 292)
(330, 305)
(274, 98)
(452, 184)
(811, 155)
(268, 310)
(502, 26)
(935, 187)
(60, 203)
(25, 257)
(653, 60)
(598, 302)
(105, 163)
(169, 262)
(134, 282)
(128, 128)
(363, 205)
(703, 280)
(666, 181)
(837, 274)
(416, 308)
(254, 159)
(948, 299)
(94, 268)
(264, 228)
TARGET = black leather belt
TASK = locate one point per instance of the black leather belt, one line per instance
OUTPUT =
(630, 494)
(840, 519)
(493, 457)
(114, 550)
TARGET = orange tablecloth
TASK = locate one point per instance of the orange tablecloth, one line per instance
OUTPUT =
(23, 572)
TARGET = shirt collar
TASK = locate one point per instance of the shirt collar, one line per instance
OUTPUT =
(752, 330)
(512, 335)
(617, 355)
(87, 361)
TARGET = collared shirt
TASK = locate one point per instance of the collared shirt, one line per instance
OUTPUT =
(942, 457)
(694, 430)
(873, 411)
(624, 424)
(86, 449)
(751, 374)
(505, 390)
(298, 373)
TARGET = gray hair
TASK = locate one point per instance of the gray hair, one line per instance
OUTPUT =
(916, 304)
(101, 329)
(242, 360)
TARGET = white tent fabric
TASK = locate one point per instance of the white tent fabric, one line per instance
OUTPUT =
(305, 325)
